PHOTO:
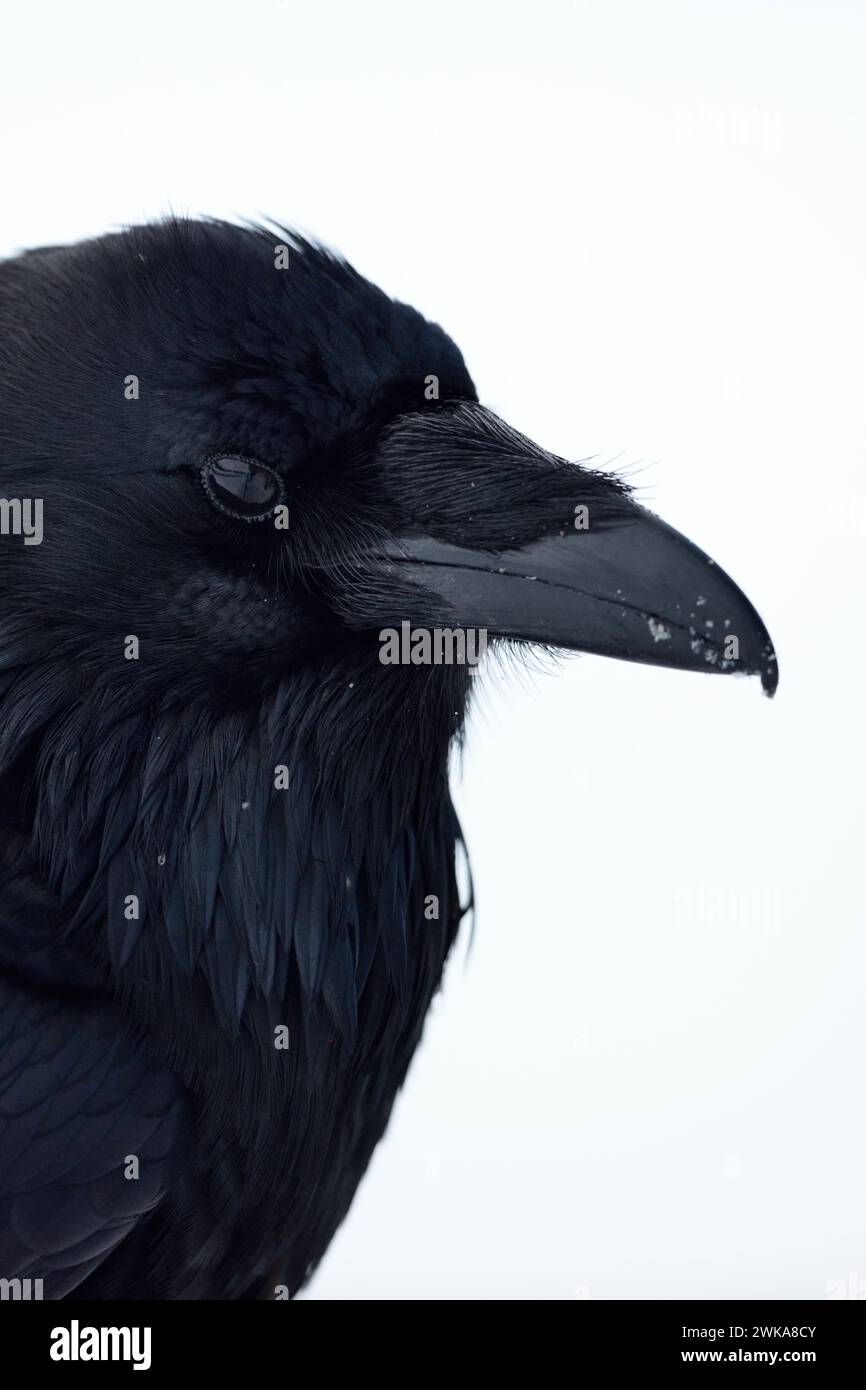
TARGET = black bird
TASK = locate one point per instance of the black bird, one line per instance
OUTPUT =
(227, 852)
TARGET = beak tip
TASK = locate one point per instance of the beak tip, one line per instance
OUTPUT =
(770, 674)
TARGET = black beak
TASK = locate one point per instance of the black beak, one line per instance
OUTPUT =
(635, 589)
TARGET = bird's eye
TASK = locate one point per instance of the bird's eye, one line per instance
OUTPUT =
(241, 487)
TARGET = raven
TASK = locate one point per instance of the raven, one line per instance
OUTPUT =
(227, 848)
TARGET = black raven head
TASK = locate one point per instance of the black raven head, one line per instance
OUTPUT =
(251, 460)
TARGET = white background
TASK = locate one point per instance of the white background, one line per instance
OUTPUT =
(644, 225)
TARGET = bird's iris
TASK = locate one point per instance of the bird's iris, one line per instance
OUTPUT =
(241, 487)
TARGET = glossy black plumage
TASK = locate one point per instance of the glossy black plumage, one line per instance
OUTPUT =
(260, 908)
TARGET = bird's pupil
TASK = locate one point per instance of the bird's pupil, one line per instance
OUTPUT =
(241, 486)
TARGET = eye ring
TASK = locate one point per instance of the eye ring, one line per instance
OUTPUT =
(219, 496)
